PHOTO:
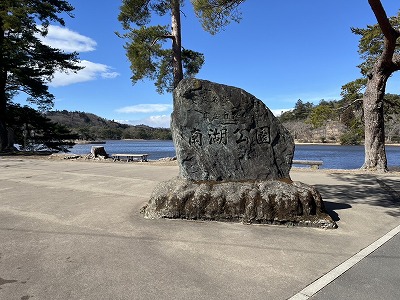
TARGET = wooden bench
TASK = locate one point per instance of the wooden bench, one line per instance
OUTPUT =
(130, 157)
(314, 164)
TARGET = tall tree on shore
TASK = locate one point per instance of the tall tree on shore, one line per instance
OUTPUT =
(26, 63)
(148, 57)
(381, 53)
(33, 130)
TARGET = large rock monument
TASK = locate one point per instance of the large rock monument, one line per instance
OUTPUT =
(234, 158)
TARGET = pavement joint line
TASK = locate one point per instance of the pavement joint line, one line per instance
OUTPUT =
(323, 281)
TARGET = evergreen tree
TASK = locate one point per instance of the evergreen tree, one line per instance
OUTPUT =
(216, 14)
(320, 115)
(381, 53)
(34, 131)
(149, 59)
(26, 64)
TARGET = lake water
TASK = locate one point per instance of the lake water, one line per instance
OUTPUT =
(156, 149)
(333, 156)
(342, 157)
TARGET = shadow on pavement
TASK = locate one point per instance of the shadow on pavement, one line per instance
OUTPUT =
(332, 207)
(361, 188)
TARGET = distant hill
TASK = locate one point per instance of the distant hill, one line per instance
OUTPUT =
(92, 127)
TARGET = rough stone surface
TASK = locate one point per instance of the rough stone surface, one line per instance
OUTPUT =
(234, 158)
(223, 133)
(260, 202)
(98, 151)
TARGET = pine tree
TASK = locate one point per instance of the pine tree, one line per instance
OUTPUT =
(145, 44)
(27, 64)
(381, 53)
(33, 130)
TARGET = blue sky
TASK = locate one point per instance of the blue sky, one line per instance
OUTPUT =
(280, 52)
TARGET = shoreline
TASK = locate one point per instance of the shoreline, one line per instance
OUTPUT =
(165, 162)
(84, 142)
(338, 144)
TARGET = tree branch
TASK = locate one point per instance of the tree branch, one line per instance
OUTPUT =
(396, 61)
(167, 36)
(348, 105)
(388, 31)
(382, 18)
(224, 4)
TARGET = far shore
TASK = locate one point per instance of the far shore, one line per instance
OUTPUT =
(82, 142)
(296, 142)
(336, 144)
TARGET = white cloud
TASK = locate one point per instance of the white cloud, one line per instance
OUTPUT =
(68, 40)
(145, 108)
(109, 75)
(90, 72)
(153, 121)
(278, 112)
(161, 120)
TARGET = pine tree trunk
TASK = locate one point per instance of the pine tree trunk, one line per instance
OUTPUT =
(3, 104)
(3, 135)
(375, 154)
(3, 98)
(176, 42)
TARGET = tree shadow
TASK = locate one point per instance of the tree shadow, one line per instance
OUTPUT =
(332, 207)
(374, 190)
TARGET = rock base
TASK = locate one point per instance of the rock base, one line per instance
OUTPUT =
(258, 202)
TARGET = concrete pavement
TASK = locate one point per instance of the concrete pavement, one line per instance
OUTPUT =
(376, 276)
(72, 230)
